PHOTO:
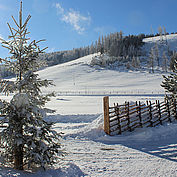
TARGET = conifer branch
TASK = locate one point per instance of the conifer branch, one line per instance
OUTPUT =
(41, 40)
(26, 22)
(12, 34)
(15, 22)
(43, 49)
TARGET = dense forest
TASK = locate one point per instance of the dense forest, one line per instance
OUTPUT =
(115, 44)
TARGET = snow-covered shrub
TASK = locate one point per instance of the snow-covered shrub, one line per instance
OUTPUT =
(103, 60)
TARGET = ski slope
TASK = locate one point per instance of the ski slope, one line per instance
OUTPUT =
(90, 152)
(93, 83)
(78, 75)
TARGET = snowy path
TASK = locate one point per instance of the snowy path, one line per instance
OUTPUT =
(146, 152)
(99, 159)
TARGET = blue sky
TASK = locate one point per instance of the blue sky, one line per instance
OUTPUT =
(68, 24)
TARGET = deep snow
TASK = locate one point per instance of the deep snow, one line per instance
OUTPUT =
(90, 152)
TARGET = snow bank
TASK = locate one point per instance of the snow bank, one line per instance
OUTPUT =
(149, 135)
(90, 127)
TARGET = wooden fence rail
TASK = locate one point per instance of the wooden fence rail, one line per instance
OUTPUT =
(129, 116)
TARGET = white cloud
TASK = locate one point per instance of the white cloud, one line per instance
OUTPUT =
(60, 10)
(74, 18)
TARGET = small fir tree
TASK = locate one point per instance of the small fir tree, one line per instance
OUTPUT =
(170, 83)
(27, 139)
(172, 61)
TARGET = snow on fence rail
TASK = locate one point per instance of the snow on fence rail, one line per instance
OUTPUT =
(129, 116)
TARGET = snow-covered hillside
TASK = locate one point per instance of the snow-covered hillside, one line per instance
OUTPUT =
(171, 39)
(79, 115)
(168, 41)
(78, 75)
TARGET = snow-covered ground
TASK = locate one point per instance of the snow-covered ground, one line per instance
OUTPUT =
(79, 115)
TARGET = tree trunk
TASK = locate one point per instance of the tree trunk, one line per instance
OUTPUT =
(18, 150)
(18, 157)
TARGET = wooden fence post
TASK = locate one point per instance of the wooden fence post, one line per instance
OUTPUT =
(150, 114)
(118, 119)
(106, 115)
(168, 110)
(139, 114)
(128, 116)
(159, 112)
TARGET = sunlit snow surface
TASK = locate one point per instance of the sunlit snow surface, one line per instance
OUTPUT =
(79, 115)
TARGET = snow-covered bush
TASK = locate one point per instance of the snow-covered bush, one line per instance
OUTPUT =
(104, 60)
(28, 140)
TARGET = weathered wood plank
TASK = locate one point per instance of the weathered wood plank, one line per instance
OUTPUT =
(106, 115)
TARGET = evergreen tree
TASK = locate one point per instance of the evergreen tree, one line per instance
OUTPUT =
(172, 60)
(27, 139)
(99, 45)
(170, 83)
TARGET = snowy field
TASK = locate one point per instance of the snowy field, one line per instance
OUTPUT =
(145, 152)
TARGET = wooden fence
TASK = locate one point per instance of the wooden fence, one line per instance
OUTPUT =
(129, 116)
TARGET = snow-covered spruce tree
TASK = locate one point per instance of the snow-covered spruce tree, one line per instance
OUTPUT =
(28, 140)
(173, 58)
(170, 83)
